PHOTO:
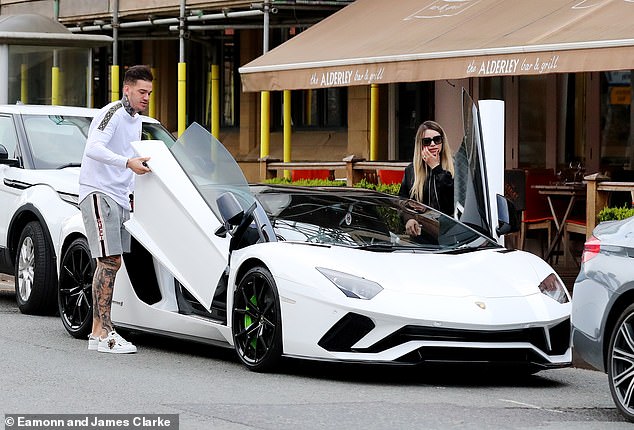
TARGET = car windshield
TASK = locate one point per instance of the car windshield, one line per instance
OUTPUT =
(58, 141)
(359, 219)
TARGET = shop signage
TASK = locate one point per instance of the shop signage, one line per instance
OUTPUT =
(350, 76)
(525, 65)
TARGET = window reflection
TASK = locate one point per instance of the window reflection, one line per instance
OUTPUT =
(532, 121)
(30, 75)
(616, 130)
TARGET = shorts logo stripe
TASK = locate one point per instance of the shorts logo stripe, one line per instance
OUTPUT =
(99, 224)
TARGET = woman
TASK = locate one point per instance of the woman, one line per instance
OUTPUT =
(429, 178)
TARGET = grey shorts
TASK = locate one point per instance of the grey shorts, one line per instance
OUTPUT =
(103, 219)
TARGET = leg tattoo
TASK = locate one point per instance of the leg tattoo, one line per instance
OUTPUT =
(102, 286)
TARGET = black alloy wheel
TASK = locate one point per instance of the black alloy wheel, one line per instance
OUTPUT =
(257, 322)
(621, 363)
(35, 274)
(74, 298)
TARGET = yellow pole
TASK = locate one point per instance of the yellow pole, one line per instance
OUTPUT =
(374, 121)
(55, 86)
(208, 100)
(287, 131)
(265, 123)
(114, 83)
(152, 107)
(24, 83)
(182, 97)
(215, 100)
(61, 85)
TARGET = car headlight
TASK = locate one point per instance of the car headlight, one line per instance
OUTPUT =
(554, 289)
(352, 286)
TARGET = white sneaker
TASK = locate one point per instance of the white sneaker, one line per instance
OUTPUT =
(115, 344)
(93, 342)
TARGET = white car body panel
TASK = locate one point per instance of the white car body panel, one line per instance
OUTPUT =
(445, 299)
(162, 317)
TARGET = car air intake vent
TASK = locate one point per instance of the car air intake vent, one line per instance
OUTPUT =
(496, 356)
(560, 337)
(535, 336)
(346, 332)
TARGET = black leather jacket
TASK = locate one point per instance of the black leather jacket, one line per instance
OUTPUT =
(437, 191)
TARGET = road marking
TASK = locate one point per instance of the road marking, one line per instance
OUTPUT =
(528, 405)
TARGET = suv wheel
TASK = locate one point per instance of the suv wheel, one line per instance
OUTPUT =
(35, 276)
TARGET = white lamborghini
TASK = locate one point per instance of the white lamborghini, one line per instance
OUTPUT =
(322, 273)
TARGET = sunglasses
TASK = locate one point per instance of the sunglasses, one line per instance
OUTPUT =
(436, 139)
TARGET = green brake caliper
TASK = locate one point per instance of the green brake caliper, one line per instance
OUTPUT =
(248, 321)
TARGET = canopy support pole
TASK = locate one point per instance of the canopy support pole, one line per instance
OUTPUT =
(287, 131)
(265, 97)
(374, 121)
(182, 74)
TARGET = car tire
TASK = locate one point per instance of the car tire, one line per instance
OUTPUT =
(35, 275)
(256, 320)
(620, 363)
(74, 296)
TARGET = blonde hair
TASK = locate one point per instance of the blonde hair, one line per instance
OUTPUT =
(420, 167)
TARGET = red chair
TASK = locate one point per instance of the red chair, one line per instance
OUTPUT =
(537, 214)
(391, 176)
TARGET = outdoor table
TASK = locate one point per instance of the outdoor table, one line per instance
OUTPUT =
(568, 190)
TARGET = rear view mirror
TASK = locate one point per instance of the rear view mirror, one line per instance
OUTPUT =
(508, 221)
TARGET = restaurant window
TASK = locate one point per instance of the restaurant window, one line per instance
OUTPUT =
(316, 108)
(491, 88)
(571, 121)
(616, 130)
(229, 90)
(532, 121)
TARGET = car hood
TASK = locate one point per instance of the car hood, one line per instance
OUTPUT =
(61, 180)
(487, 273)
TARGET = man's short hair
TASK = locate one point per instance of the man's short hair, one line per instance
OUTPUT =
(136, 73)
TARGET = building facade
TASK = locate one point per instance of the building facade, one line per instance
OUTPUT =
(571, 120)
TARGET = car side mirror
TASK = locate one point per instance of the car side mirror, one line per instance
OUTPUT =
(508, 221)
(4, 157)
(230, 211)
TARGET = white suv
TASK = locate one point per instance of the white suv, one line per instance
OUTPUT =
(40, 154)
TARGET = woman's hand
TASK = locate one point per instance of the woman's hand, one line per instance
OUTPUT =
(432, 159)
(412, 227)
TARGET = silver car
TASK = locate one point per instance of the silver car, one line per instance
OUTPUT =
(603, 308)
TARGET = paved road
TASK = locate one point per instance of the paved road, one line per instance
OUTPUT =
(44, 370)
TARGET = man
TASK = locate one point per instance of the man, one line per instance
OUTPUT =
(106, 181)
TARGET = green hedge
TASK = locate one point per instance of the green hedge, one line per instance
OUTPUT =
(306, 182)
(383, 188)
(611, 214)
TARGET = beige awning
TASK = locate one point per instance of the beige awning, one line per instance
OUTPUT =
(379, 41)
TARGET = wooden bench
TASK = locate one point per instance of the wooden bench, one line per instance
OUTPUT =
(355, 168)
(599, 188)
